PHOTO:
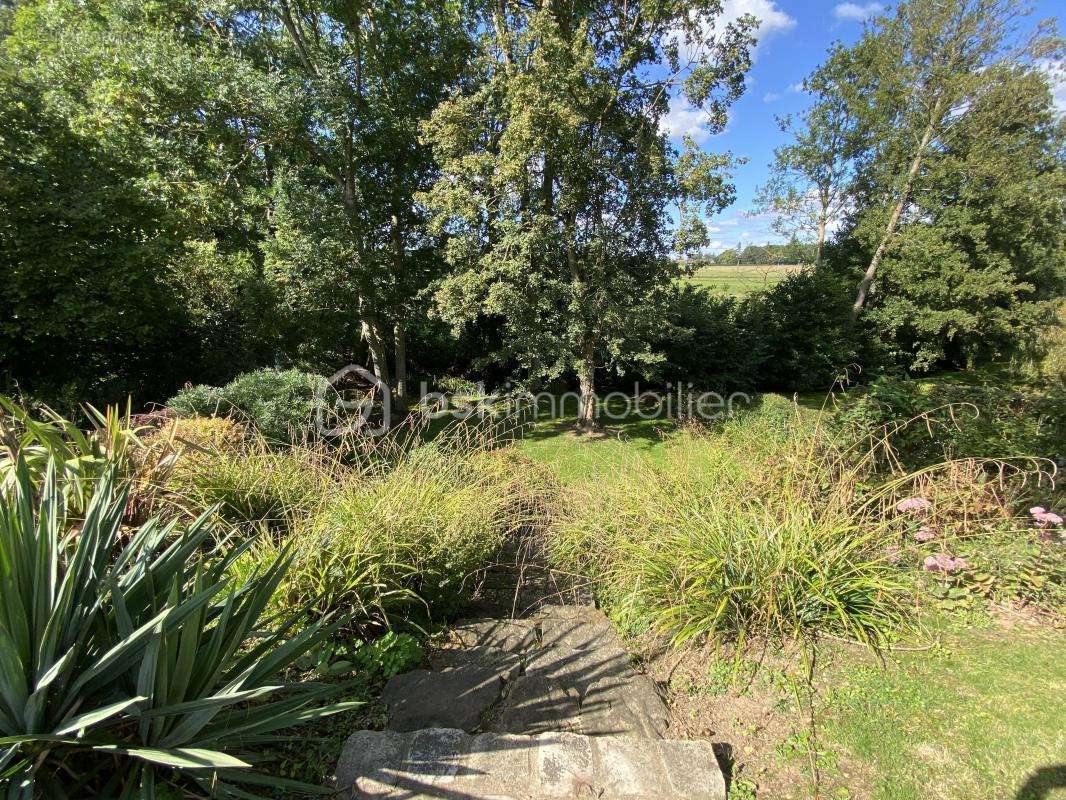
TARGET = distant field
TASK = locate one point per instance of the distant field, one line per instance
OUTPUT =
(742, 279)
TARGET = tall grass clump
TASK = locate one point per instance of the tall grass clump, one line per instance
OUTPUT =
(392, 526)
(412, 536)
(752, 528)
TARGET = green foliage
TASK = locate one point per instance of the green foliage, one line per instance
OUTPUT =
(131, 660)
(798, 333)
(557, 130)
(750, 529)
(409, 540)
(42, 440)
(927, 422)
(388, 529)
(282, 404)
(794, 336)
(373, 661)
(123, 238)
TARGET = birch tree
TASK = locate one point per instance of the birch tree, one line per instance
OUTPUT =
(914, 76)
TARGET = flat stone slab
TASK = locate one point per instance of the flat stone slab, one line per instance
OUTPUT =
(629, 707)
(535, 703)
(581, 668)
(454, 697)
(576, 628)
(512, 635)
(443, 763)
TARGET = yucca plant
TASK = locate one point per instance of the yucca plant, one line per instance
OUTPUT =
(129, 660)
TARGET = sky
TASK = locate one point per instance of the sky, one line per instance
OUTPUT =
(794, 36)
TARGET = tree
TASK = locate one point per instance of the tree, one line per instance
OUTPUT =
(913, 79)
(556, 178)
(810, 178)
(978, 264)
(363, 76)
(129, 187)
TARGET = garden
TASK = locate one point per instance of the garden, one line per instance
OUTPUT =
(373, 370)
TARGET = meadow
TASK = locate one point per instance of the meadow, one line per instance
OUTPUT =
(742, 279)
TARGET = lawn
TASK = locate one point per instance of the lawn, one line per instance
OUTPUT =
(979, 716)
(742, 279)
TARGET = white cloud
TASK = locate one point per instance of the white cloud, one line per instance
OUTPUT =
(773, 97)
(857, 12)
(771, 20)
(713, 229)
(745, 235)
(716, 245)
(684, 119)
(1055, 72)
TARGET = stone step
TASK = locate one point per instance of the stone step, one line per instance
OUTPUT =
(447, 763)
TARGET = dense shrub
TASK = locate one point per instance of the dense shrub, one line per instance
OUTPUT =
(926, 422)
(703, 344)
(794, 337)
(128, 663)
(282, 404)
(800, 335)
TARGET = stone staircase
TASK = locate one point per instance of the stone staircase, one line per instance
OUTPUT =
(542, 706)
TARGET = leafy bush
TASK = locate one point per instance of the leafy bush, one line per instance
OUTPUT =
(795, 336)
(703, 344)
(927, 422)
(282, 404)
(799, 333)
(753, 528)
(131, 663)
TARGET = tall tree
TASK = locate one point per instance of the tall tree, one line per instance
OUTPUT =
(557, 179)
(364, 75)
(915, 76)
(810, 178)
(130, 186)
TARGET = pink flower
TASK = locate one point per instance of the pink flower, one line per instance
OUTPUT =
(924, 534)
(942, 562)
(1036, 511)
(1048, 520)
(916, 504)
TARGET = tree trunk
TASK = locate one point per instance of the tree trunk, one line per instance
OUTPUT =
(400, 346)
(893, 220)
(376, 345)
(586, 378)
(399, 336)
(821, 240)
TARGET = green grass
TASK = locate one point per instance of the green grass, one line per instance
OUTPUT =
(743, 279)
(980, 717)
(578, 458)
(749, 528)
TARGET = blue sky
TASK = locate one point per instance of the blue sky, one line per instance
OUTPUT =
(793, 39)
